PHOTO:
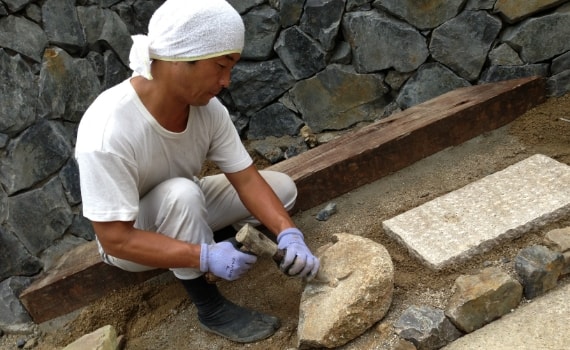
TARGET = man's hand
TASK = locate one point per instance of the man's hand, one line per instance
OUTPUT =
(298, 260)
(225, 260)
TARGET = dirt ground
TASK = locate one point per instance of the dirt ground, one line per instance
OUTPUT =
(158, 315)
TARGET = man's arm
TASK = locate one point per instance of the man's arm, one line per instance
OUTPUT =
(259, 198)
(121, 240)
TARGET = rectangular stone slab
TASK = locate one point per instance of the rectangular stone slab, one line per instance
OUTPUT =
(473, 219)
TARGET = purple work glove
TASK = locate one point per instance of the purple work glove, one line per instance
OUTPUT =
(225, 260)
(298, 260)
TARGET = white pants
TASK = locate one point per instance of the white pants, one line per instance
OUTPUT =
(190, 210)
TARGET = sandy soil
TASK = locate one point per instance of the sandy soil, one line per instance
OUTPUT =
(158, 315)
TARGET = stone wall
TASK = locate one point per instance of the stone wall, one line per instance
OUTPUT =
(327, 64)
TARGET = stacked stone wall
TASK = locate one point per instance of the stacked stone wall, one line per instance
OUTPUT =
(327, 64)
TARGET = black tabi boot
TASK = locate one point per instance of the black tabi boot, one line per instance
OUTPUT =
(222, 317)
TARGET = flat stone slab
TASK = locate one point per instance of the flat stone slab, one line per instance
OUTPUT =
(475, 218)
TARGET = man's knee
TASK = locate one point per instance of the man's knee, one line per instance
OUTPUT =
(283, 186)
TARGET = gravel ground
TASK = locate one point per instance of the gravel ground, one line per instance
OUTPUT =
(157, 314)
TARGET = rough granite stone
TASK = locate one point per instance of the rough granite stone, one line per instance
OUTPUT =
(473, 219)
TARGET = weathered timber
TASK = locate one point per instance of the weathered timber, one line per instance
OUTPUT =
(321, 174)
(393, 143)
(77, 279)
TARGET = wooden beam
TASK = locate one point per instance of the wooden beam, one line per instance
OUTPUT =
(393, 143)
(77, 279)
(321, 174)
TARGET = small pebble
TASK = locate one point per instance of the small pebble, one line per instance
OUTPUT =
(20, 343)
(326, 212)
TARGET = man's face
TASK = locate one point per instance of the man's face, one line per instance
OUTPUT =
(201, 80)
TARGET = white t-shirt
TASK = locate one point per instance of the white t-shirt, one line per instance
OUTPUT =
(123, 152)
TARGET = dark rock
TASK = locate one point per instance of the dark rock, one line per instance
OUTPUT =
(426, 327)
(462, 43)
(261, 29)
(18, 94)
(429, 81)
(376, 42)
(301, 54)
(338, 97)
(39, 217)
(539, 269)
(62, 25)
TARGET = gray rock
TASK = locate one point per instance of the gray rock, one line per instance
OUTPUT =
(62, 25)
(429, 81)
(115, 72)
(273, 120)
(376, 40)
(97, 61)
(23, 36)
(60, 77)
(34, 13)
(325, 213)
(261, 29)
(15, 259)
(257, 84)
(423, 15)
(338, 97)
(396, 79)
(137, 15)
(269, 151)
(355, 292)
(4, 140)
(541, 38)
(462, 43)
(560, 63)
(302, 55)
(18, 94)
(355, 5)
(539, 269)
(290, 12)
(321, 20)
(38, 152)
(81, 227)
(426, 327)
(500, 73)
(69, 176)
(104, 28)
(39, 217)
(16, 5)
(480, 4)
(513, 11)
(559, 241)
(240, 121)
(342, 53)
(559, 84)
(11, 310)
(504, 55)
(481, 298)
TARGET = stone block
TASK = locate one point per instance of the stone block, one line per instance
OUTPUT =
(352, 291)
(474, 219)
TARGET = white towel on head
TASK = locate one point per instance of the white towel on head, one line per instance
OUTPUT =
(188, 30)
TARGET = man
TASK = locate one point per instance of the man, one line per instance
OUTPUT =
(142, 143)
